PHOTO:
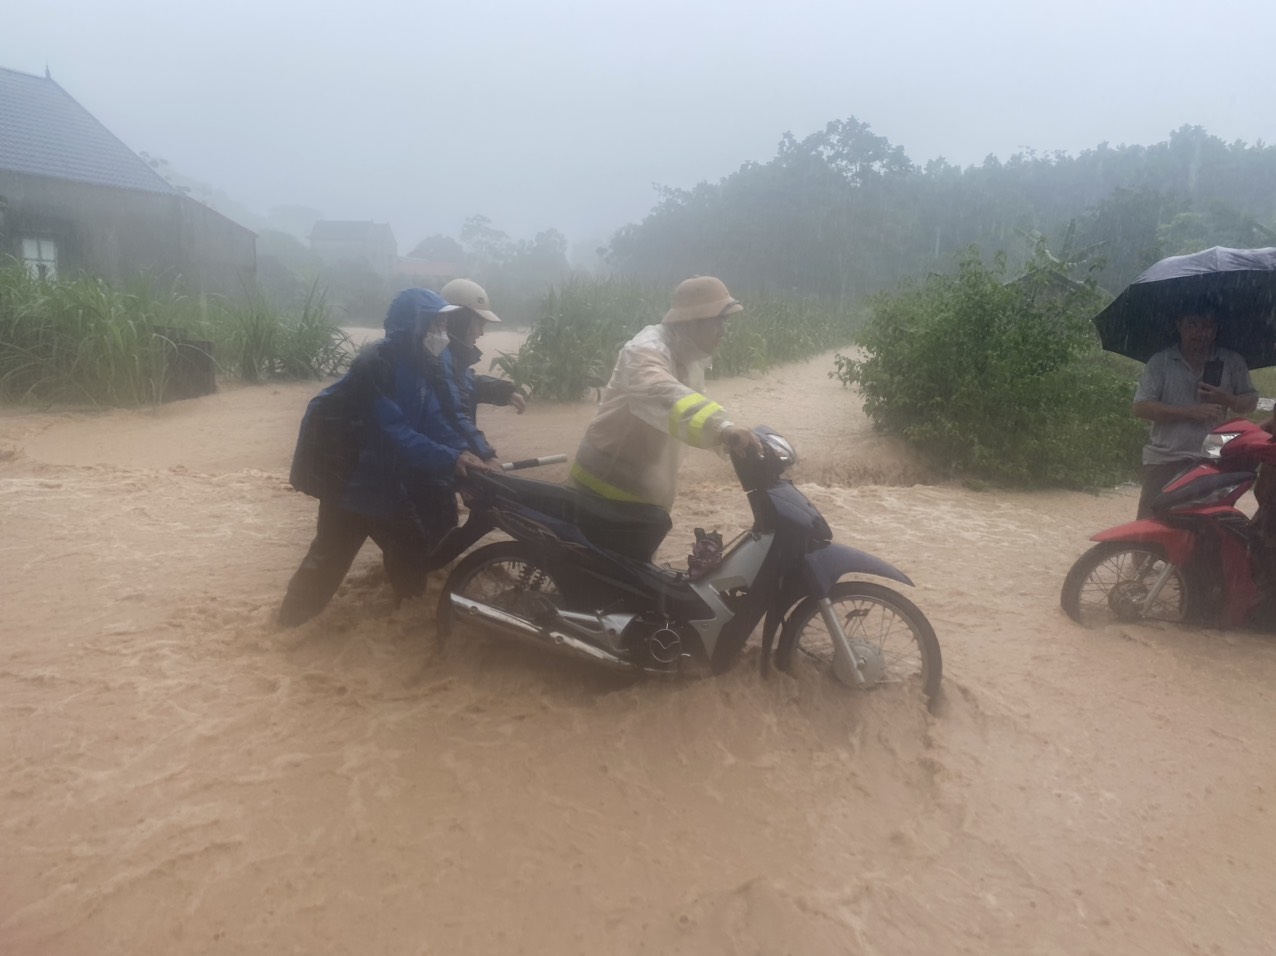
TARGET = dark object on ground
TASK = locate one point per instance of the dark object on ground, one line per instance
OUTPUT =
(189, 369)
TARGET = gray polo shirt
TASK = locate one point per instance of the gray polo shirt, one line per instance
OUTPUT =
(1169, 378)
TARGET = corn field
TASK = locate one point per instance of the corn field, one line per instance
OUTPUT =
(583, 324)
(84, 340)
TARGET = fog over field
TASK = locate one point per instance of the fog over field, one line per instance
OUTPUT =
(565, 113)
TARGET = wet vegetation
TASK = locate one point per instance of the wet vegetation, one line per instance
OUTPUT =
(974, 344)
(845, 214)
(84, 340)
(584, 322)
(1000, 379)
(980, 350)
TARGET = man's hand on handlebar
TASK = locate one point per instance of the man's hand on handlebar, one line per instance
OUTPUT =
(467, 462)
(741, 441)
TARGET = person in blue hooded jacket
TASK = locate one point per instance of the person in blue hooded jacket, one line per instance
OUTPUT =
(380, 449)
(464, 327)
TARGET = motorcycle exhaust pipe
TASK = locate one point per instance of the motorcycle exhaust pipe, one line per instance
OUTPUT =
(510, 625)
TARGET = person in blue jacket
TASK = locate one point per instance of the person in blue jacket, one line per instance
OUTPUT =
(380, 448)
(464, 327)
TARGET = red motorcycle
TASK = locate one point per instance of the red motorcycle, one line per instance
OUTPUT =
(1197, 559)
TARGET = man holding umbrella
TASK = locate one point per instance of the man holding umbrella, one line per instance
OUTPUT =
(1185, 390)
(1216, 311)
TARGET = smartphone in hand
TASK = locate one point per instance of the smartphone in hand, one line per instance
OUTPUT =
(1213, 374)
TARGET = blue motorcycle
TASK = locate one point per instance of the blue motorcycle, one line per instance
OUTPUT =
(577, 578)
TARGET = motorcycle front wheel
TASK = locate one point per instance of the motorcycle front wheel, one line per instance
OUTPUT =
(886, 630)
(506, 575)
(1111, 582)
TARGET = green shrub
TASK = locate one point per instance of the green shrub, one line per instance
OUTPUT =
(1000, 380)
(583, 324)
(259, 341)
(83, 339)
(577, 336)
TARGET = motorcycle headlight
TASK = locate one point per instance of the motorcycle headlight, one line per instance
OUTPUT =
(1212, 447)
(783, 450)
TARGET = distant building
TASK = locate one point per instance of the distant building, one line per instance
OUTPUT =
(344, 241)
(75, 199)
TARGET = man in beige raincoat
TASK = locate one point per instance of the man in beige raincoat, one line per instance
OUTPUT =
(654, 404)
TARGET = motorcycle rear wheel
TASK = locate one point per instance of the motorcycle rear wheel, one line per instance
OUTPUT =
(892, 629)
(1109, 583)
(506, 575)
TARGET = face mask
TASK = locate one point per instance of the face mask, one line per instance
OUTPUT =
(689, 350)
(435, 342)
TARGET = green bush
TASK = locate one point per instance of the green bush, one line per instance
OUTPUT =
(1001, 380)
(583, 324)
(259, 341)
(777, 330)
(577, 336)
(83, 339)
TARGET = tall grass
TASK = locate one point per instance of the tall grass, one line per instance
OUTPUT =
(577, 335)
(85, 340)
(583, 324)
(260, 342)
(82, 340)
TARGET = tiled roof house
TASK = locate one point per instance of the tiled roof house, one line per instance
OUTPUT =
(75, 199)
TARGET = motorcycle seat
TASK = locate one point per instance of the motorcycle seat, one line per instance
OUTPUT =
(632, 529)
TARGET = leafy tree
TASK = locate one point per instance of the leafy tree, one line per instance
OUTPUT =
(843, 213)
(1127, 228)
(851, 149)
(589, 256)
(516, 273)
(489, 246)
(1001, 380)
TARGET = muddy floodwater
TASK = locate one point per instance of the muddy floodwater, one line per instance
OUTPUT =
(177, 775)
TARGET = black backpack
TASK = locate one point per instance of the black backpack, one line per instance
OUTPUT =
(334, 428)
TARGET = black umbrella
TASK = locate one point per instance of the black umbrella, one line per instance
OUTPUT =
(1237, 285)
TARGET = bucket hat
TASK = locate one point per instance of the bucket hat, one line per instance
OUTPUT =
(700, 297)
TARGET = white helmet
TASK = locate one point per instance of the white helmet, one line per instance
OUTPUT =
(470, 295)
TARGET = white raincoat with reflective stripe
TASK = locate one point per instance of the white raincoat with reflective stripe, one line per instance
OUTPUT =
(651, 408)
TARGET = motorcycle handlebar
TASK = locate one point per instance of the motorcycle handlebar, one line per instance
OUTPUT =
(533, 462)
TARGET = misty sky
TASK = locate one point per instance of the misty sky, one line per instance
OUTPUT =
(564, 113)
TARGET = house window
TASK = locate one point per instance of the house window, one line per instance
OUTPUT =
(40, 257)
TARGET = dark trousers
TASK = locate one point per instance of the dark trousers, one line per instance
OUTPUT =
(1155, 478)
(339, 537)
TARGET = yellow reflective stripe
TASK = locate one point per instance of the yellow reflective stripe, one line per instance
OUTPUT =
(697, 424)
(600, 487)
(683, 407)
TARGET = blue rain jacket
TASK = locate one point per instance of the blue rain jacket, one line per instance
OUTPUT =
(468, 389)
(458, 378)
(381, 439)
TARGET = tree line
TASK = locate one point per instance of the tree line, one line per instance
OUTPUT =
(844, 213)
